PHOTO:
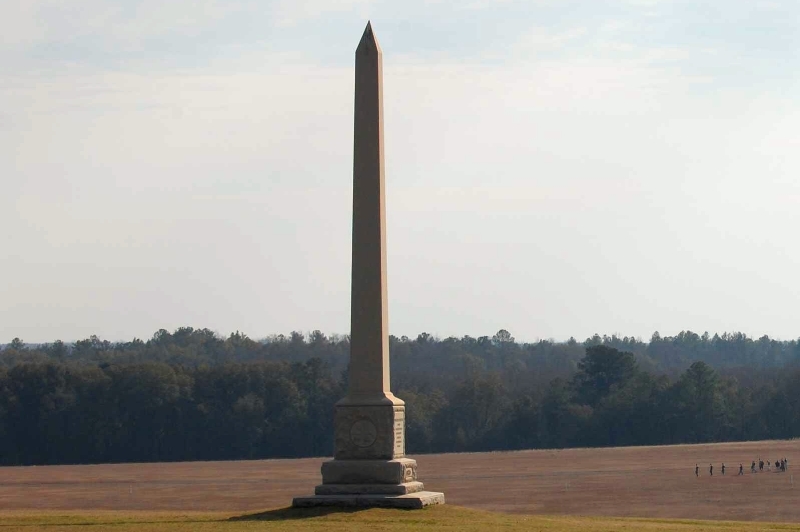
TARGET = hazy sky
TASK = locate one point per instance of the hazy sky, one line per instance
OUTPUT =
(555, 168)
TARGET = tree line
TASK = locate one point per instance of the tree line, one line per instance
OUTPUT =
(193, 395)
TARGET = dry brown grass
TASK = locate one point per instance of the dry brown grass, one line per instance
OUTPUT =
(447, 518)
(654, 482)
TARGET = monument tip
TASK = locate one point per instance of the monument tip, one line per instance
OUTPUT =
(368, 39)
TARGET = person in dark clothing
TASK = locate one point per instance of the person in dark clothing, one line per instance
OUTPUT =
(760, 464)
(741, 469)
(723, 468)
(696, 470)
(711, 469)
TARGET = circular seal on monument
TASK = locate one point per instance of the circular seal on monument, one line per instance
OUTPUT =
(363, 433)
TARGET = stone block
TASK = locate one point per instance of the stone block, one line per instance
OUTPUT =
(369, 489)
(369, 432)
(398, 471)
(410, 501)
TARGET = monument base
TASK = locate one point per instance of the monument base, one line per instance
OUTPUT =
(370, 484)
(410, 501)
(397, 471)
(369, 489)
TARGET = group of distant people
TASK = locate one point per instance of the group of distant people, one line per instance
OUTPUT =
(780, 465)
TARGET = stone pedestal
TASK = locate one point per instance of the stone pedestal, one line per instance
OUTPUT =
(369, 466)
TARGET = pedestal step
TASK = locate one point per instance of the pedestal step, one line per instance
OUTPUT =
(416, 500)
(397, 471)
(369, 489)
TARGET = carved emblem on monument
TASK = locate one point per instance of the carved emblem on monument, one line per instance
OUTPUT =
(363, 433)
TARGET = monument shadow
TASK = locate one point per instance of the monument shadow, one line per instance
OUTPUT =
(292, 514)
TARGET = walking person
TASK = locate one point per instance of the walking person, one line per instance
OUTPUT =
(723, 468)
(696, 470)
(711, 470)
(741, 469)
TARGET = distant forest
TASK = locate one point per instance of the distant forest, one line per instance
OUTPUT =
(193, 395)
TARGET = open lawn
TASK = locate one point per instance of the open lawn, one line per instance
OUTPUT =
(652, 482)
(447, 518)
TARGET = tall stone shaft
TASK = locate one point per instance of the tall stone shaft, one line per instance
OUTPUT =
(369, 314)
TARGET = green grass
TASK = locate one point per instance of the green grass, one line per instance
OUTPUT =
(447, 518)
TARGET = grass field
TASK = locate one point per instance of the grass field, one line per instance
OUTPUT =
(580, 489)
(447, 518)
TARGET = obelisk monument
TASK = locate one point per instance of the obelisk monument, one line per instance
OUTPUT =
(369, 466)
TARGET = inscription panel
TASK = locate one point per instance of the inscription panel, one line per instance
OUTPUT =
(399, 433)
